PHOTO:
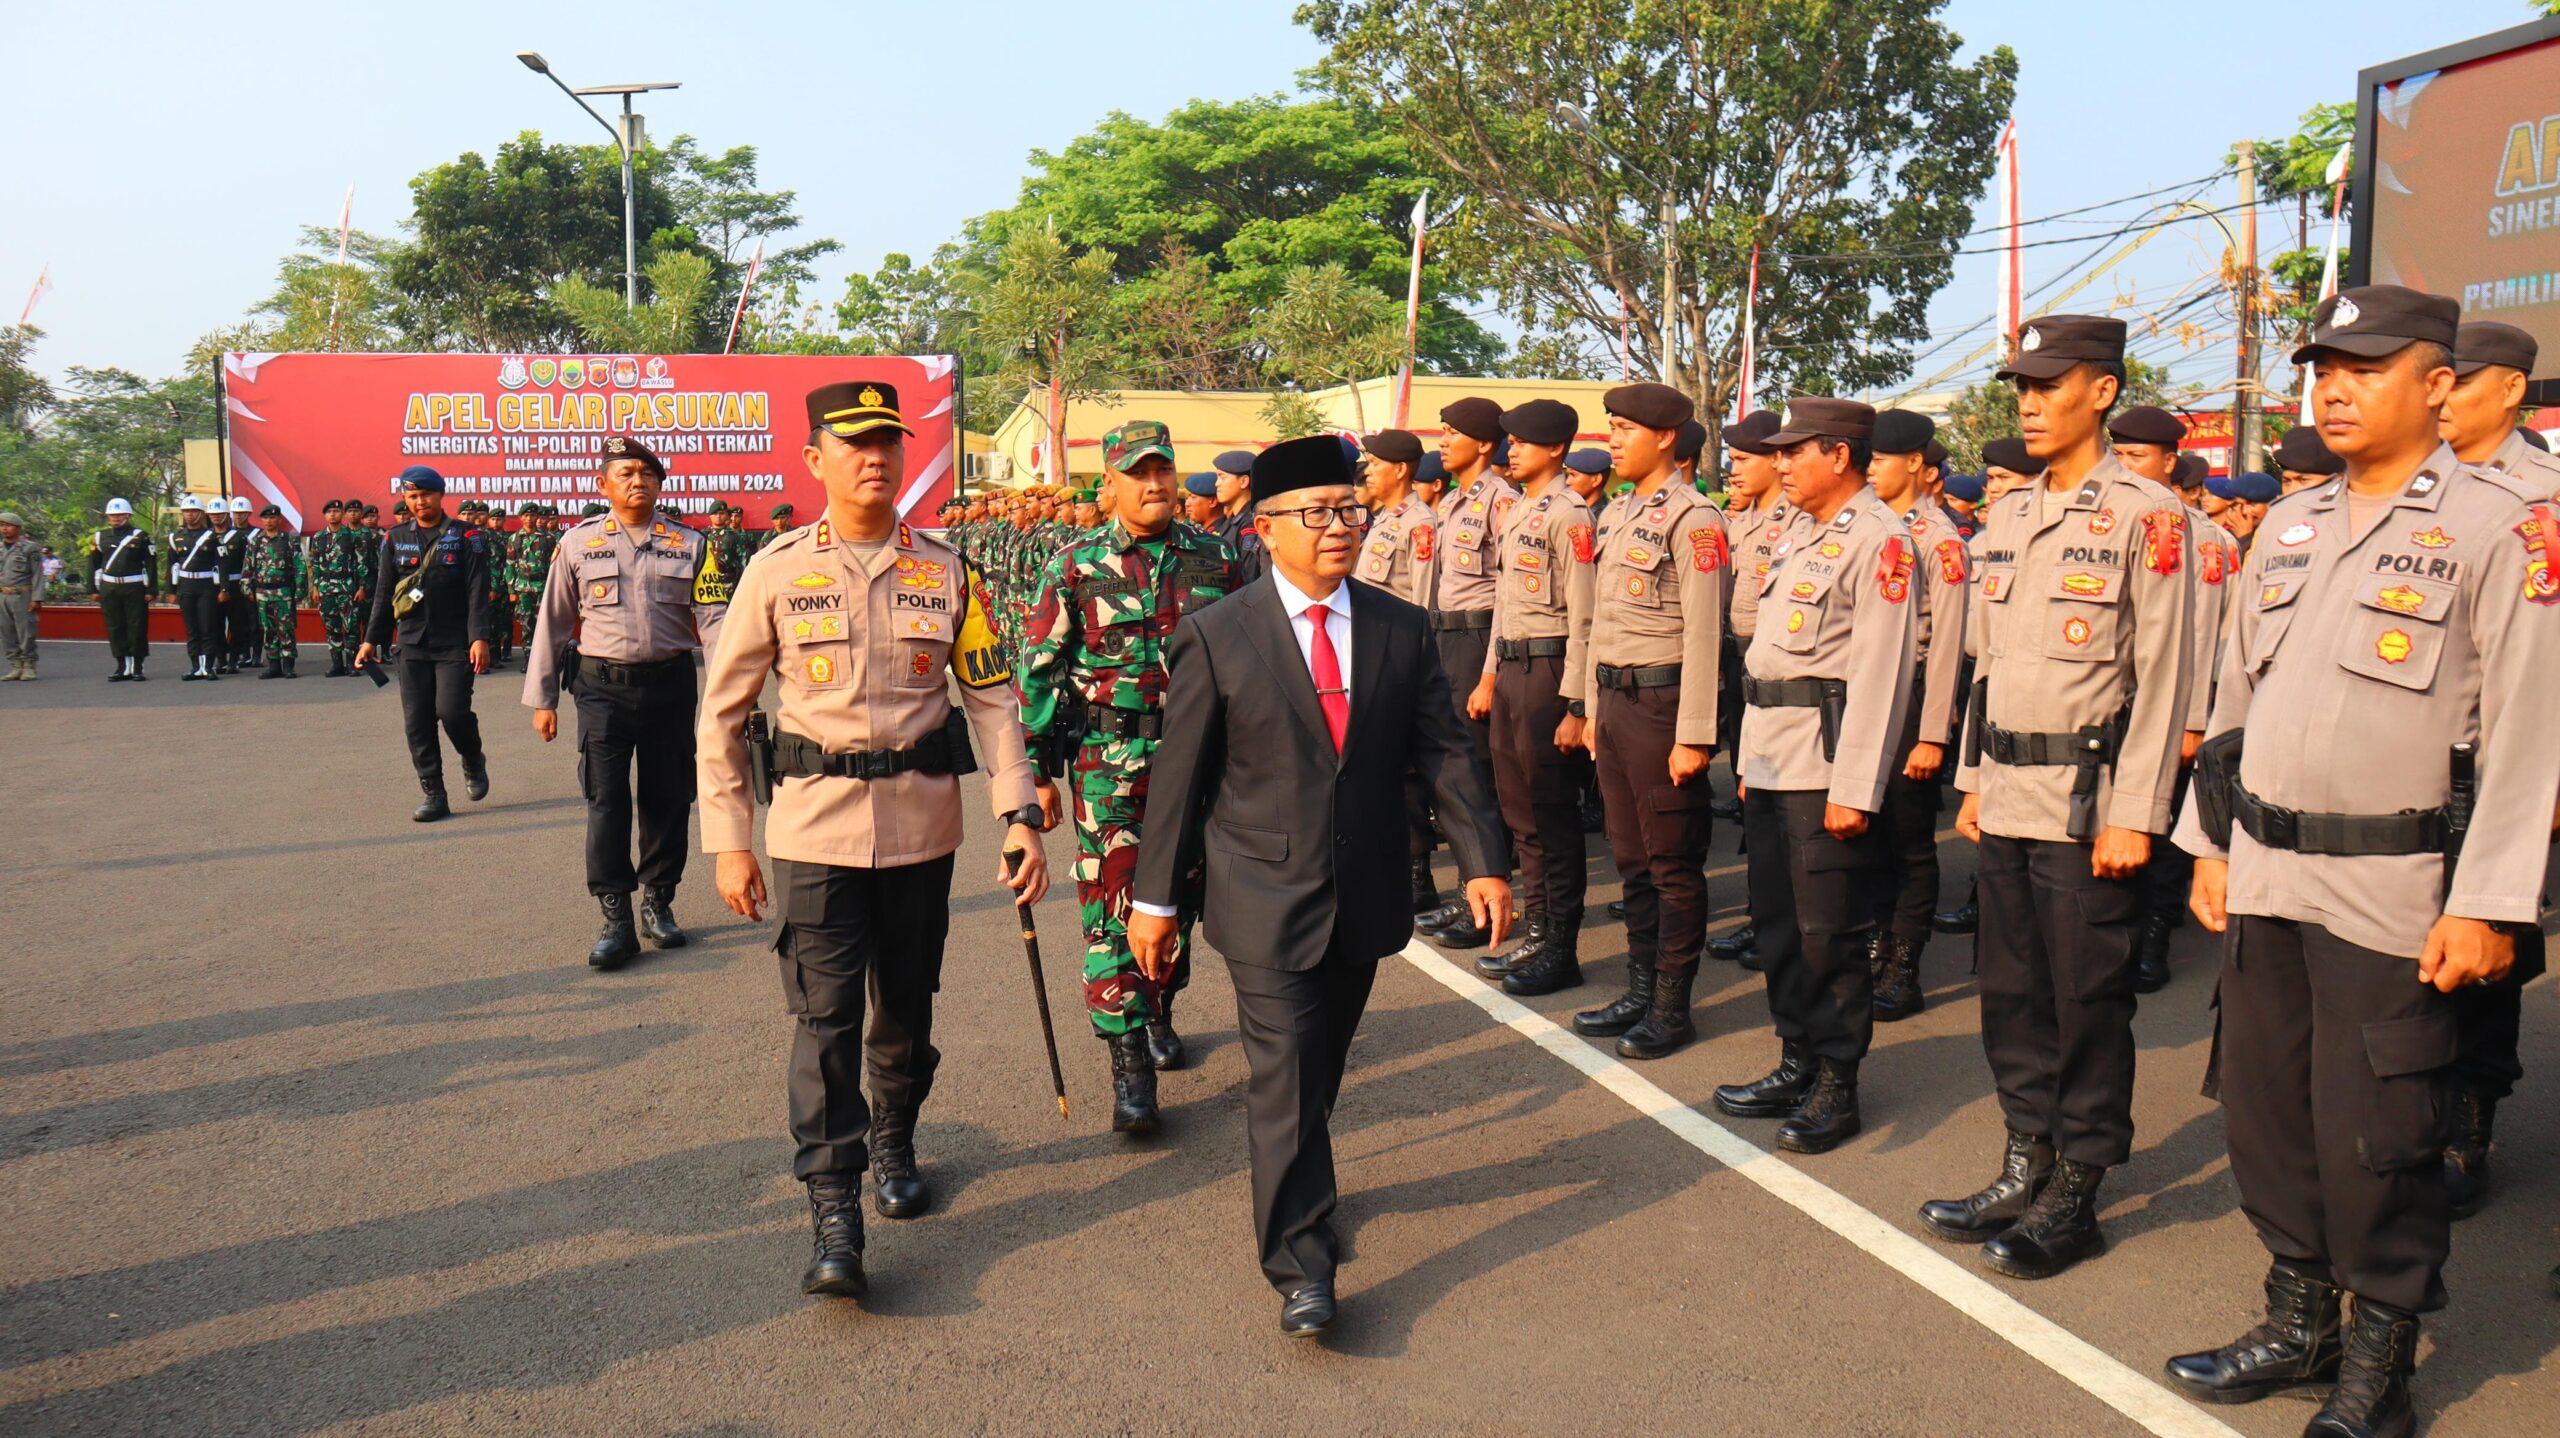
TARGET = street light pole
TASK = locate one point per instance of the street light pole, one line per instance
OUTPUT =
(626, 138)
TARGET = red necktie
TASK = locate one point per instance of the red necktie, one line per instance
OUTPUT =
(1330, 695)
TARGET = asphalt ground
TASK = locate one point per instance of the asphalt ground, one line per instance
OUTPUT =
(313, 1120)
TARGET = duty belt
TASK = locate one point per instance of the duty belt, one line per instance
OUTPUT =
(1125, 723)
(2085, 750)
(124, 579)
(1529, 648)
(195, 574)
(618, 671)
(1445, 620)
(2411, 831)
(1789, 693)
(797, 756)
(1618, 676)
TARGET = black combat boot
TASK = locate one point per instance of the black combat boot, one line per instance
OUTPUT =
(1896, 964)
(2058, 1230)
(1553, 969)
(1529, 938)
(196, 673)
(1453, 926)
(274, 670)
(337, 665)
(619, 942)
(2151, 952)
(2468, 1120)
(475, 777)
(1426, 889)
(1133, 1084)
(2372, 1396)
(835, 1212)
(897, 1190)
(1957, 920)
(2296, 1347)
(658, 917)
(138, 676)
(1164, 1046)
(435, 808)
(1667, 1027)
(1621, 1013)
(1776, 1094)
(1829, 1115)
(1975, 1218)
(1618, 909)
(1737, 947)
(288, 667)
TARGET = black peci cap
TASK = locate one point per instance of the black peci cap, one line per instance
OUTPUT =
(2011, 455)
(1899, 431)
(1542, 421)
(1395, 446)
(2302, 451)
(2376, 320)
(1820, 417)
(1310, 462)
(2050, 345)
(1750, 434)
(2147, 424)
(1477, 418)
(1655, 406)
(2482, 343)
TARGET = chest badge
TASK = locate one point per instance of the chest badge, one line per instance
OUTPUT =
(1639, 556)
(922, 664)
(1635, 586)
(1802, 590)
(2075, 631)
(596, 590)
(2297, 536)
(2401, 599)
(1795, 622)
(821, 670)
(2088, 584)
(813, 580)
(2102, 522)
(1830, 549)
(2434, 538)
(2393, 646)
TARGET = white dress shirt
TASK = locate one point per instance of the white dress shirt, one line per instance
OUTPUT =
(1302, 609)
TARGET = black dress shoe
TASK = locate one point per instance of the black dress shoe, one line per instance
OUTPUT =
(897, 1190)
(1133, 1085)
(1775, 1094)
(1618, 909)
(619, 941)
(658, 918)
(1733, 948)
(2058, 1230)
(1976, 1217)
(1828, 1117)
(2297, 1347)
(1958, 921)
(1309, 1311)
(1164, 1046)
(1729, 810)
(835, 1216)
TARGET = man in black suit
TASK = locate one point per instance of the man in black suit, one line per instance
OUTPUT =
(1287, 782)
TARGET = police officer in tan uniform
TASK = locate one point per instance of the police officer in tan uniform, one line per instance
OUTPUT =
(1828, 694)
(1541, 563)
(2082, 632)
(2490, 364)
(1756, 521)
(1902, 475)
(2394, 659)
(1396, 557)
(1649, 650)
(861, 620)
(627, 600)
(1458, 579)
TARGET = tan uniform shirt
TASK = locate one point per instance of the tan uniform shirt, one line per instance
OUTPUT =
(2539, 472)
(1938, 624)
(1542, 563)
(2217, 559)
(1658, 597)
(625, 595)
(1396, 557)
(2075, 614)
(1462, 551)
(1756, 536)
(1838, 598)
(861, 644)
(2360, 662)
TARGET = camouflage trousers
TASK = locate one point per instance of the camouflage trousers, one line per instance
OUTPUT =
(275, 622)
(1110, 794)
(338, 618)
(528, 609)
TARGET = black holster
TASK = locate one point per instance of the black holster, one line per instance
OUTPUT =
(2216, 777)
(955, 738)
(759, 733)
(1973, 721)
(1834, 711)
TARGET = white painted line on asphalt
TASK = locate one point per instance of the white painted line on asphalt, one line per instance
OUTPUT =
(2066, 1353)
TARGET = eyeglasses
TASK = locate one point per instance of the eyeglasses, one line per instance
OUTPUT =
(1322, 516)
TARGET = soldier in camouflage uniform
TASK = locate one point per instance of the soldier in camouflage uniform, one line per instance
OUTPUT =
(529, 568)
(273, 571)
(1103, 620)
(336, 557)
(729, 545)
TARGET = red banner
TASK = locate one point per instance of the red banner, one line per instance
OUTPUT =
(516, 429)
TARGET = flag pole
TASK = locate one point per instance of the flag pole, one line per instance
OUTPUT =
(2012, 299)
(44, 282)
(1412, 310)
(2338, 165)
(338, 276)
(753, 266)
(1750, 340)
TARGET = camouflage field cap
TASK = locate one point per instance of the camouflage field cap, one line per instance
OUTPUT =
(1134, 440)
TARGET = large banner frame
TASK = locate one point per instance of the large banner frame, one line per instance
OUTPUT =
(301, 429)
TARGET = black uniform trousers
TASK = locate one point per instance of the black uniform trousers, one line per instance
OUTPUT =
(1910, 821)
(1462, 659)
(1814, 900)
(2054, 958)
(1658, 830)
(2330, 1062)
(1296, 1030)
(126, 610)
(854, 939)
(1540, 788)
(435, 687)
(641, 716)
(200, 606)
(2488, 1015)
(240, 617)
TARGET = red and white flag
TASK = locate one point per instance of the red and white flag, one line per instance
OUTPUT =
(44, 282)
(1750, 340)
(346, 217)
(2337, 177)
(1412, 310)
(753, 266)
(2011, 300)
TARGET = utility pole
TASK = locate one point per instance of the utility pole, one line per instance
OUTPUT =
(1670, 291)
(2245, 448)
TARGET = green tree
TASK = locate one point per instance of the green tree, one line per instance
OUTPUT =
(319, 304)
(1988, 410)
(681, 315)
(1177, 327)
(1328, 328)
(1842, 135)
(25, 394)
(1292, 415)
(101, 433)
(1043, 312)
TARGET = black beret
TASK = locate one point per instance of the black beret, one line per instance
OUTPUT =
(1899, 431)
(1588, 461)
(1820, 417)
(1691, 443)
(2375, 320)
(2257, 487)
(2147, 424)
(1395, 446)
(1967, 487)
(1750, 434)
(1501, 457)
(2534, 437)
(1234, 461)
(271, 512)
(1310, 462)
(1934, 455)
(1655, 406)
(2486, 342)
(594, 508)
(2011, 455)
(330, 506)
(623, 446)
(2302, 451)
(1477, 418)
(2050, 345)
(2188, 472)
(1542, 421)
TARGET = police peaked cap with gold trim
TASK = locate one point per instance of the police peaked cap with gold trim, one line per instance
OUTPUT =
(855, 407)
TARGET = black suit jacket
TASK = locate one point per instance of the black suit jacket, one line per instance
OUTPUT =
(1306, 851)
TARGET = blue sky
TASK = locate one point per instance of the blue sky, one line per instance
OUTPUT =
(163, 155)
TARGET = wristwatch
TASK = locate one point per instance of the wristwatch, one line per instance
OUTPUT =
(1574, 708)
(1029, 816)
